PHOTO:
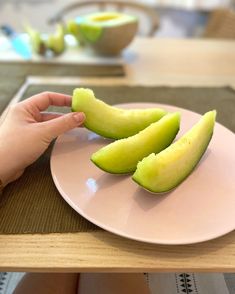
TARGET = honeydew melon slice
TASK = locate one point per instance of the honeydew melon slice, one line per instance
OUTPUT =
(167, 169)
(123, 155)
(109, 121)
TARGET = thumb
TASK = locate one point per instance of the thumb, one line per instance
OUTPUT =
(64, 123)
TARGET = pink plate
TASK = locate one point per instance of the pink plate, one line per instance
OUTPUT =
(200, 209)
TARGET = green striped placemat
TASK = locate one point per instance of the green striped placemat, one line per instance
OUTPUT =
(13, 74)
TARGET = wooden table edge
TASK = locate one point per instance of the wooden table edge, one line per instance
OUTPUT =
(100, 251)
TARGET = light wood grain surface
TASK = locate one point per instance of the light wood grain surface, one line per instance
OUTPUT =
(149, 62)
(106, 252)
(181, 62)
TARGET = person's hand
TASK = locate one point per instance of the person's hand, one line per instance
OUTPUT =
(26, 131)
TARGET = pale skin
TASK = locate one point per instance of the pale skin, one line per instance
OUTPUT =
(25, 133)
(93, 283)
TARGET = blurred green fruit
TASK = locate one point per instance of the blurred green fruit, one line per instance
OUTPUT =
(56, 42)
(73, 29)
(107, 33)
(38, 45)
(42, 44)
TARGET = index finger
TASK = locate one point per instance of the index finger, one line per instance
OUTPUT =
(43, 100)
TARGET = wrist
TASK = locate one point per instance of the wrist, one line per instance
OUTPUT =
(6, 175)
(1, 187)
(8, 167)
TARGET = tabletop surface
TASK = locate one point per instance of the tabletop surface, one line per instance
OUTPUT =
(148, 62)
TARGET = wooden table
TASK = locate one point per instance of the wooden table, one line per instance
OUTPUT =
(149, 62)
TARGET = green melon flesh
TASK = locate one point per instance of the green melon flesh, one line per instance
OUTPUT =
(56, 41)
(123, 155)
(36, 41)
(94, 25)
(109, 121)
(167, 169)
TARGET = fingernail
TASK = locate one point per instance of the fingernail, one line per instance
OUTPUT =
(79, 117)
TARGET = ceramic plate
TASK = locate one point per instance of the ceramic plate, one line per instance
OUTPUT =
(200, 209)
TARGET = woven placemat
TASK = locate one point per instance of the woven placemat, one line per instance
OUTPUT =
(13, 74)
(57, 69)
(32, 204)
